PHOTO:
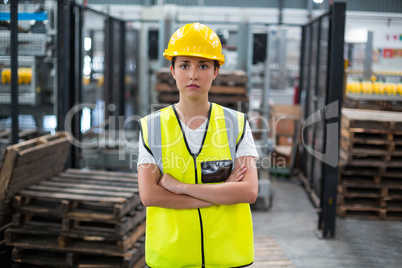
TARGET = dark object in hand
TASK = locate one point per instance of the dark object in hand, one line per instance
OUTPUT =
(216, 171)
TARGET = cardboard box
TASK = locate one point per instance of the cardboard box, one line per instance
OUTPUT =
(281, 126)
(283, 119)
(284, 140)
(290, 111)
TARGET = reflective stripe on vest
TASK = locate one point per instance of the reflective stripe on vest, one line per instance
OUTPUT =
(217, 236)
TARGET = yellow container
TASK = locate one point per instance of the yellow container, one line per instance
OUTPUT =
(24, 75)
(369, 88)
(85, 81)
(6, 76)
(399, 88)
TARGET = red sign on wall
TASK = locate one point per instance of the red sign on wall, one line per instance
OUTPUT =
(388, 53)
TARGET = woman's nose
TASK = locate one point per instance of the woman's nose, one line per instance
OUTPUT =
(193, 74)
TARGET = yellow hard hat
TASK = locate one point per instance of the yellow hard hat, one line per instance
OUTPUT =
(196, 40)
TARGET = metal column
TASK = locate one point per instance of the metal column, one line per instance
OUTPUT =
(266, 90)
(63, 61)
(282, 57)
(14, 72)
(76, 85)
(108, 72)
(368, 59)
(334, 94)
(143, 69)
(122, 67)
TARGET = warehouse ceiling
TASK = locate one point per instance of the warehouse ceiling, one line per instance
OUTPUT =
(393, 6)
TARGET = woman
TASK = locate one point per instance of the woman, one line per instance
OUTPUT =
(196, 169)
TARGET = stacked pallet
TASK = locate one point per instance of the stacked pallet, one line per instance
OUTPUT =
(370, 182)
(79, 219)
(228, 89)
(24, 164)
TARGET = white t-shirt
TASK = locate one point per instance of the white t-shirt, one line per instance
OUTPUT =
(194, 140)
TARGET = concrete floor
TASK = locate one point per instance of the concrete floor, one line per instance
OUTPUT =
(292, 222)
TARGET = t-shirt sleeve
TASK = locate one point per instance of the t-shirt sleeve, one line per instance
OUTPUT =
(144, 157)
(247, 145)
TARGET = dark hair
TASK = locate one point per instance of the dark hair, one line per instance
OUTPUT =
(216, 63)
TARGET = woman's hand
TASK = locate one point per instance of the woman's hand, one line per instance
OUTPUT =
(170, 183)
(237, 173)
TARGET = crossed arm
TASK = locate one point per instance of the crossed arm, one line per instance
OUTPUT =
(167, 192)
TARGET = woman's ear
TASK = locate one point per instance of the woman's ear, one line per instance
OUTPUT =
(216, 72)
(172, 71)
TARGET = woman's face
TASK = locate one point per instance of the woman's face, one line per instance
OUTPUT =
(193, 75)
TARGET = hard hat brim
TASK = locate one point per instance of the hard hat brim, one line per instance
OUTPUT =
(169, 56)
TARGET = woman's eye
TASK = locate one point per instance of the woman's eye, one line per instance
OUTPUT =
(184, 66)
(203, 66)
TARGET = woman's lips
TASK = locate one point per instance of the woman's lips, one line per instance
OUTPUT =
(193, 86)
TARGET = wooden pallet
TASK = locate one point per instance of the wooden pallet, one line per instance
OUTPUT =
(51, 238)
(370, 103)
(79, 212)
(378, 191)
(381, 199)
(374, 202)
(364, 180)
(358, 118)
(267, 253)
(363, 159)
(82, 194)
(361, 212)
(371, 127)
(395, 160)
(86, 226)
(369, 213)
(32, 214)
(367, 147)
(73, 259)
(350, 170)
(29, 162)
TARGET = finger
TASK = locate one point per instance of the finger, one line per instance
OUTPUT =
(239, 178)
(241, 171)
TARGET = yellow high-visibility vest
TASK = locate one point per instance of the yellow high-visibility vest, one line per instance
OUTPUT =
(216, 236)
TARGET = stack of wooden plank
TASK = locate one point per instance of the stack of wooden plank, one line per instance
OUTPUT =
(228, 89)
(26, 163)
(79, 219)
(370, 182)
